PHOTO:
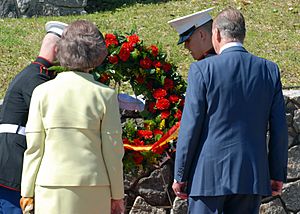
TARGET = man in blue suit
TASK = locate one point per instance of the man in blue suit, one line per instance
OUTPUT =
(231, 101)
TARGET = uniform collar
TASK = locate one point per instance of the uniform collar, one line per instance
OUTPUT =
(41, 60)
(210, 52)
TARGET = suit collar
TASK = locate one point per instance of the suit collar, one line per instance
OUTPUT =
(230, 44)
(234, 48)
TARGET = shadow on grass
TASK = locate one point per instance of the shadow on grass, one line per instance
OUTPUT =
(104, 5)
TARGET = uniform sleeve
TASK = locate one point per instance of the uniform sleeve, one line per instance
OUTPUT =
(191, 124)
(35, 137)
(278, 144)
(112, 147)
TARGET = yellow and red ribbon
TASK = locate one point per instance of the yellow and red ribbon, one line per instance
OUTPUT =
(172, 134)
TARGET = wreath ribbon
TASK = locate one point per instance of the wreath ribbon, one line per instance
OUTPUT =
(172, 134)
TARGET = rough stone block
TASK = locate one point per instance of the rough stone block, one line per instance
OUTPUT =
(154, 189)
(294, 163)
(290, 107)
(179, 206)
(274, 207)
(290, 196)
(296, 120)
(293, 95)
(140, 206)
(289, 118)
(67, 3)
(8, 9)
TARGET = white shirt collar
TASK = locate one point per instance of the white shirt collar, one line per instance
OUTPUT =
(230, 44)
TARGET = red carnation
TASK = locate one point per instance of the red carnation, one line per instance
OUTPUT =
(137, 158)
(113, 59)
(157, 64)
(168, 84)
(178, 114)
(147, 134)
(146, 63)
(159, 93)
(131, 46)
(162, 104)
(181, 102)
(128, 45)
(126, 141)
(167, 67)
(104, 78)
(138, 142)
(124, 52)
(154, 50)
(174, 98)
(133, 38)
(164, 114)
(157, 132)
(111, 39)
(151, 106)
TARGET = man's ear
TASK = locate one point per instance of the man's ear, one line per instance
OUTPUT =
(218, 34)
(202, 34)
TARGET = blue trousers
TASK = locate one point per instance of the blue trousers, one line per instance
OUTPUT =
(9, 201)
(227, 204)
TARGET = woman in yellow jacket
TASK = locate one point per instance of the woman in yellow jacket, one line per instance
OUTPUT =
(73, 161)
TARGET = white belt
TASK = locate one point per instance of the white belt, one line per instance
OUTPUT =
(12, 128)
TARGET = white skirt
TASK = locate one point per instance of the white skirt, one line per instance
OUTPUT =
(72, 200)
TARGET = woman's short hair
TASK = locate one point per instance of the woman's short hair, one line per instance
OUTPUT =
(81, 46)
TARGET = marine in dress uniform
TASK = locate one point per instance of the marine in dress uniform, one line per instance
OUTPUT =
(195, 32)
(13, 119)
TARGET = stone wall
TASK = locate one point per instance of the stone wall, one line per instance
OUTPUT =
(152, 193)
(29, 8)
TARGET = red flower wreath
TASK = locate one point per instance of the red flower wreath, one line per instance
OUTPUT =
(151, 75)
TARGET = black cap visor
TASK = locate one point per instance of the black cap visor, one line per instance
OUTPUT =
(186, 35)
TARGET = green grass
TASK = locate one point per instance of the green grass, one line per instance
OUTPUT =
(273, 32)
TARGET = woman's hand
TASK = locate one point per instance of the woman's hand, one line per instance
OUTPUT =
(27, 204)
(117, 206)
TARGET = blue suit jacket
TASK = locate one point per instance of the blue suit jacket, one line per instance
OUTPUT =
(230, 100)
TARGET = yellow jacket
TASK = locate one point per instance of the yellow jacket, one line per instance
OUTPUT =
(73, 136)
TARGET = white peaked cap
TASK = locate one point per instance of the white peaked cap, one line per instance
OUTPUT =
(197, 19)
(186, 23)
(55, 27)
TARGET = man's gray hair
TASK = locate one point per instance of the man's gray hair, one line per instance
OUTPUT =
(81, 46)
(231, 24)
